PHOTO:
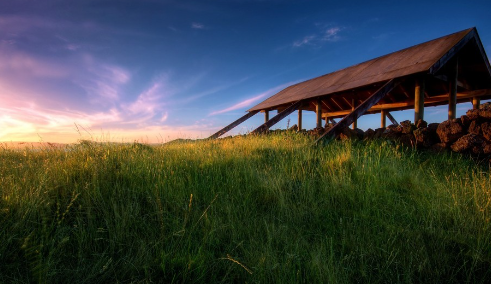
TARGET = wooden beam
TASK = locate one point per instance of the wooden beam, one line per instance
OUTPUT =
(355, 122)
(481, 50)
(476, 102)
(461, 84)
(453, 52)
(264, 127)
(432, 101)
(452, 94)
(383, 123)
(318, 112)
(233, 124)
(266, 116)
(464, 85)
(475, 93)
(299, 119)
(419, 99)
(391, 118)
(360, 110)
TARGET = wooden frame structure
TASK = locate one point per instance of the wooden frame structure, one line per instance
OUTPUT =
(447, 70)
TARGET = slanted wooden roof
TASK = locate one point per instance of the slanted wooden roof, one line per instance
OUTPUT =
(447, 70)
(340, 88)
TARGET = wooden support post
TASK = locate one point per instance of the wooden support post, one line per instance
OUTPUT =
(328, 121)
(355, 123)
(476, 102)
(233, 124)
(419, 99)
(264, 127)
(361, 109)
(299, 119)
(452, 96)
(383, 122)
(266, 116)
(318, 111)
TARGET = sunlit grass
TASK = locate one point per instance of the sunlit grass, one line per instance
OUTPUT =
(269, 209)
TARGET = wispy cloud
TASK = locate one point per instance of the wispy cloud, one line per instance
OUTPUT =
(304, 41)
(331, 34)
(30, 122)
(211, 91)
(325, 34)
(26, 65)
(30, 107)
(148, 108)
(42, 95)
(242, 104)
(383, 36)
(249, 101)
(30, 119)
(198, 26)
(17, 24)
(164, 117)
(146, 102)
(102, 82)
(35, 124)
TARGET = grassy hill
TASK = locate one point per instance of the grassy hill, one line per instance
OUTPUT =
(268, 209)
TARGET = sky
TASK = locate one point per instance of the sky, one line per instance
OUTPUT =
(155, 70)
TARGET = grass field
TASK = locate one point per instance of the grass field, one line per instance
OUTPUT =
(268, 209)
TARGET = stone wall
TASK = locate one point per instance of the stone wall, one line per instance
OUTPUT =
(471, 133)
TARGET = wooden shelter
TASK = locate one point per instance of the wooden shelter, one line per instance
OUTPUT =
(447, 70)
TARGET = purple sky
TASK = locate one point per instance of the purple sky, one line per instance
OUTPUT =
(153, 71)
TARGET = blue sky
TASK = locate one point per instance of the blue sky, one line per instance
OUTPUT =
(153, 71)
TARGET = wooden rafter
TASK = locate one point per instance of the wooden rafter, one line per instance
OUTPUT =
(347, 102)
(390, 98)
(332, 99)
(404, 91)
(327, 105)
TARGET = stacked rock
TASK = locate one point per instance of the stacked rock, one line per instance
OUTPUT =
(471, 133)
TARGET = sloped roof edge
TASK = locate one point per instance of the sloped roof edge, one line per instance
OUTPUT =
(428, 56)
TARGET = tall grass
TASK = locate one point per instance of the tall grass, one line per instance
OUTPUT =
(267, 209)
